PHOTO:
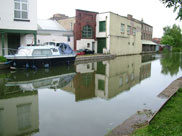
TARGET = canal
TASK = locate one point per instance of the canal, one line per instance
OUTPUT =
(85, 99)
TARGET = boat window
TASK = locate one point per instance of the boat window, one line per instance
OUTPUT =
(63, 47)
(43, 52)
(46, 52)
(49, 43)
(23, 52)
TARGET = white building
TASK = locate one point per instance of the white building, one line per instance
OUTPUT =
(18, 23)
(52, 31)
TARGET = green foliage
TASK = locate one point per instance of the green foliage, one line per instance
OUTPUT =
(176, 4)
(168, 122)
(172, 36)
(171, 63)
(177, 50)
(2, 59)
(167, 40)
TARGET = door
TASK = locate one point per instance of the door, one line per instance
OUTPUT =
(13, 43)
(101, 44)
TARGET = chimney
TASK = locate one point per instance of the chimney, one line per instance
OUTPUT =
(129, 17)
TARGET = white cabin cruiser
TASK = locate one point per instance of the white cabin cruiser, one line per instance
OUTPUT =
(42, 56)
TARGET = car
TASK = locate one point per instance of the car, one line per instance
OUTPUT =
(87, 51)
(80, 52)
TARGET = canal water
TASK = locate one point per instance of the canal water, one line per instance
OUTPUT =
(85, 99)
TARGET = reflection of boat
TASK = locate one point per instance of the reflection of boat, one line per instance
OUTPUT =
(41, 56)
(50, 82)
(50, 78)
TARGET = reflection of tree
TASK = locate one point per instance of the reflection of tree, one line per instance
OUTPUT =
(171, 63)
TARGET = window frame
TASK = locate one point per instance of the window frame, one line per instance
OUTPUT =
(134, 32)
(102, 26)
(122, 30)
(87, 32)
(21, 10)
(128, 30)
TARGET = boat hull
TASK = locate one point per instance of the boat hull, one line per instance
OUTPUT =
(40, 63)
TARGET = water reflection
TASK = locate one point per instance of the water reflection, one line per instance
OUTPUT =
(23, 91)
(171, 63)
(18, 112)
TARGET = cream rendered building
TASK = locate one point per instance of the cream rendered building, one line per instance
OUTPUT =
(117, 35)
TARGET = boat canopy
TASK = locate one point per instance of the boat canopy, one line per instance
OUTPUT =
(65, 48)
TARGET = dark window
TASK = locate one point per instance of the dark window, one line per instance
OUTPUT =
(101, 84)
(87, 32)
(68, 39)
(102, 26)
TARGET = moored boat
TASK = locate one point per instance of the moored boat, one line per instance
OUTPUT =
(42, 56)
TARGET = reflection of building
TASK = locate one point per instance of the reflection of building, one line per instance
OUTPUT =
(117, 75)
(84, 86)
(83, 83)
(145, 71)
(107, 79)
(19, 113)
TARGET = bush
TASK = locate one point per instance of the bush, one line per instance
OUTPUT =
(2, 59)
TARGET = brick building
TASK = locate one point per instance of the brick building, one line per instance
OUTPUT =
(85, 30)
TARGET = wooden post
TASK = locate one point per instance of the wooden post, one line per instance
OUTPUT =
(2, 41)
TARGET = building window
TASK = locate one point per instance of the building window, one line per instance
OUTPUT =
(134, 31)
(87, 32)
(102, 26)
(121, 81)
(21, 9)
(101, 85)
(122, 28)
(88, 45)
(24, 116)
(128, 30)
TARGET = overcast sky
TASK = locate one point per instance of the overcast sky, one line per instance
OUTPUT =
(153, 12)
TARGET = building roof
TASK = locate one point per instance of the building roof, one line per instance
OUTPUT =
(148, 42)
(50, 25)
(132, 19)
(86, 11)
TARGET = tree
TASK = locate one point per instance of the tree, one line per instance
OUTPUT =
(172, 36)
(177, 4)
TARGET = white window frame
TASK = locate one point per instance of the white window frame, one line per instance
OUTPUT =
(134, 31)
(21, 10)
(122, 28)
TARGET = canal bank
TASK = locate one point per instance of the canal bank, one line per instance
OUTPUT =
(142, 118)
(93, 58)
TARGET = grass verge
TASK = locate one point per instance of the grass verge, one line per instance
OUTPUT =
(168, 122)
